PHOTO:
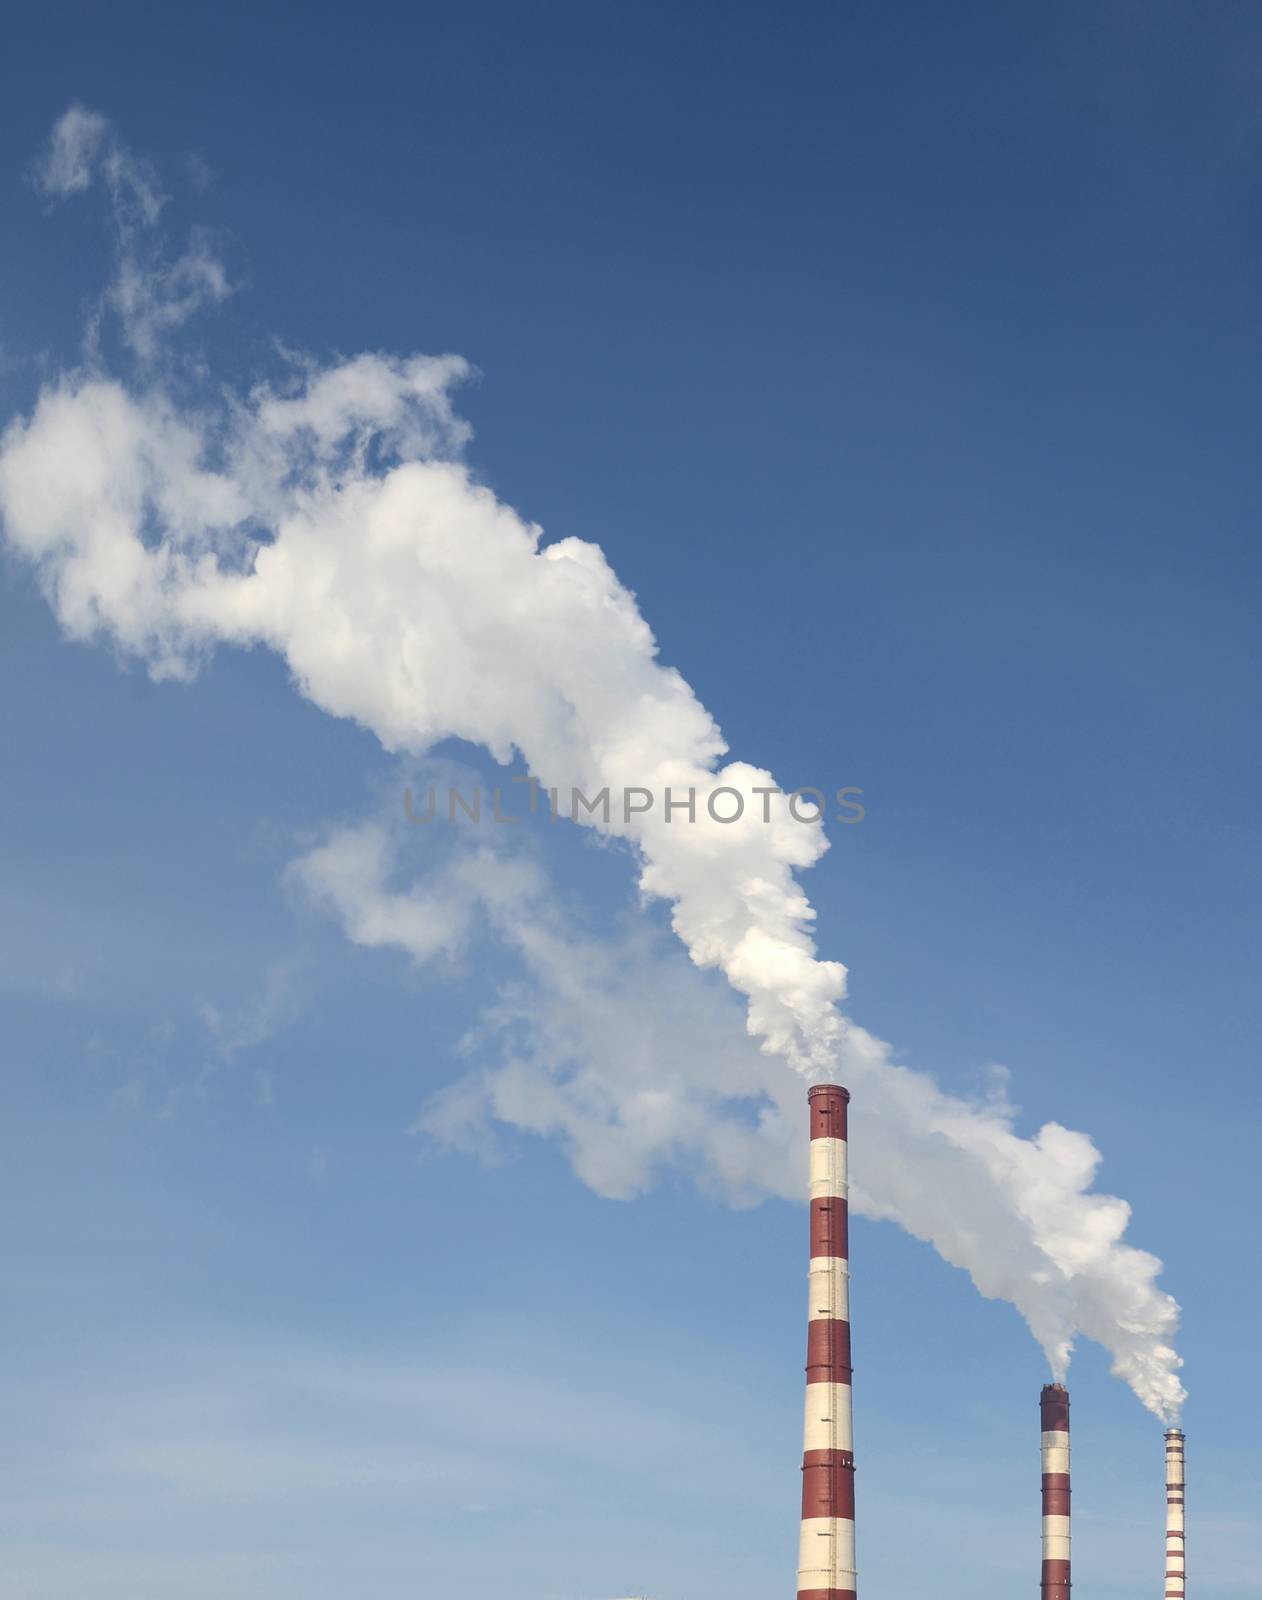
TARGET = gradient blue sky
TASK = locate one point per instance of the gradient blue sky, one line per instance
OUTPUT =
(904, 361)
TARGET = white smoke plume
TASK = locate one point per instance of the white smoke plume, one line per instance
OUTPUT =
(330, 518)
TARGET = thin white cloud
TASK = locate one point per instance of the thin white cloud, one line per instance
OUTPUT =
(278, 1003)
(68, 164)
(84, 149)
(151, 294)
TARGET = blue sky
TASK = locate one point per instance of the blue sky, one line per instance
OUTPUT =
(903, 363)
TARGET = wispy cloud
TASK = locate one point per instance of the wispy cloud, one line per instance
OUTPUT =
(153, 292)
(68, 164)
(279, 1003)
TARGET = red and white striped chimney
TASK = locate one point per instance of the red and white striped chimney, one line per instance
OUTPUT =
(826, 1568)
(1176, 1573)
(1055, 1416)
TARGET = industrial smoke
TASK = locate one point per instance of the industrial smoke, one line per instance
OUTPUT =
(328, 517)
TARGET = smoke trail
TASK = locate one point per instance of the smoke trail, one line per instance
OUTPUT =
(330, 519)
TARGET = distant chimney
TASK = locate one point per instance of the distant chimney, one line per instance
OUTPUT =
(1176, 1572)
(1055, 1416)
(826, 1568)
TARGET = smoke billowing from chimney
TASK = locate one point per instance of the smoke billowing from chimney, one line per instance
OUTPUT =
(328, 518)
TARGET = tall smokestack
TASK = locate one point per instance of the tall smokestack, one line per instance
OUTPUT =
(1055, 1413)
(1176, 1573)
(826, 1565)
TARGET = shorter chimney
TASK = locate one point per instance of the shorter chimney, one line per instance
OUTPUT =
(826, 1569)
(1175, 1567)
